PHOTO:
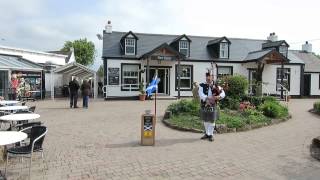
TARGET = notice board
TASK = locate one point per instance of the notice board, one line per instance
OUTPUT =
(113, 76)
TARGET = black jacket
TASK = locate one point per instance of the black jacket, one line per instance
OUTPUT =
(74, 86)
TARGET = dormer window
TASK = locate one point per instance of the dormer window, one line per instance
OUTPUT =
(184, 47)
(130, 46)
(224, 50)
(283, 49)
(219, 47)
(182, 44)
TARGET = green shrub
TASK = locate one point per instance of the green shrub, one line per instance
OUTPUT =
(230, 103)
(185, 106)
(257, 101)
(237, 86)
(254, 116)
(269, 98)
(273, 109)
(316, 106)
(231, 121)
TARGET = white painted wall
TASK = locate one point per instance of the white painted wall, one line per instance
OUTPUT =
(315, 84)
(269, 76)
(199, 70)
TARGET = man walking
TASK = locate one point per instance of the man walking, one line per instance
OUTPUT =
(85, 90)
(209, 94)
(74, 87)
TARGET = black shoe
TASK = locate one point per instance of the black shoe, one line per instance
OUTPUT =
(211, 138)
(76, 107)
(205, 136)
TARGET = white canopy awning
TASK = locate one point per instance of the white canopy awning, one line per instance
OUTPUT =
(78, 70)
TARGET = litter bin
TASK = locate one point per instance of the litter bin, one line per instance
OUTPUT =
(147, 129)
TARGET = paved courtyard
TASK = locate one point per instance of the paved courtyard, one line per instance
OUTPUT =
(102, 142)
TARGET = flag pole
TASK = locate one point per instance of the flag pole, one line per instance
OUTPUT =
(155, 105)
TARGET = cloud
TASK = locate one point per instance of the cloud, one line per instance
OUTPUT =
(47, 24)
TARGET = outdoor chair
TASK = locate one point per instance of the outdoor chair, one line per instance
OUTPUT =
(32, 109)
(37, 136)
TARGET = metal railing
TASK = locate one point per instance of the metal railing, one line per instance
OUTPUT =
(128, 87)
(264, 86)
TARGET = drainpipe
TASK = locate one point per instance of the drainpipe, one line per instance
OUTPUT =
(179, 79)
(282, 74)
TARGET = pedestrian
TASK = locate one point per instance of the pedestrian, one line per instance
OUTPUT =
(85, 90)
(73, 88)
(209, 93)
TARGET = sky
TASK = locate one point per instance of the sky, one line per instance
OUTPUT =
(45, 25)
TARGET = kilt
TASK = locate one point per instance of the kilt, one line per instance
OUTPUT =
(209, 114)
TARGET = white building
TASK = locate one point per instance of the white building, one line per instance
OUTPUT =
(127, 56)
(48, 60)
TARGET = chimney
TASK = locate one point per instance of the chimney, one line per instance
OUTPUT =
(108, 27)
(272, 37)
(307, 47)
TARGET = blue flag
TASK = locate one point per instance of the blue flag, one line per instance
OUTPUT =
(153, 86)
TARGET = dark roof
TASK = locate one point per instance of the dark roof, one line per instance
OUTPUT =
(166, 46)
(218, 40)
(130, 32)
(259, 55)
(312, 62)
(271, 44)
(67, 53)
(198, 47)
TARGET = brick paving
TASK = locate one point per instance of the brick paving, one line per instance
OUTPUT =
(102, 142)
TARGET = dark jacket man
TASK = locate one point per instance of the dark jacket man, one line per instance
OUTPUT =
(74, 87)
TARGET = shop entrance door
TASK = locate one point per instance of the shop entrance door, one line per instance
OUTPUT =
(163, 74)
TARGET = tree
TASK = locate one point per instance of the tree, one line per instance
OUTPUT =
(100, 71)
(84, 50)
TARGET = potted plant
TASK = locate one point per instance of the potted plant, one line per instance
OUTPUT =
(142, 95)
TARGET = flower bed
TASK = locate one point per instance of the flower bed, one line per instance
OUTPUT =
(184, 115)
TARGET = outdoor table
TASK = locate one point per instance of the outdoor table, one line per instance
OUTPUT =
(13, 108)
(10, 102)
(19, 117)
(10, 137)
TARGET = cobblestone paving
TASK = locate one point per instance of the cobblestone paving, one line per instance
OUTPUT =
(102, 142)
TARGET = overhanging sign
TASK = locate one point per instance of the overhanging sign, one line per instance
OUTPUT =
(168, 58)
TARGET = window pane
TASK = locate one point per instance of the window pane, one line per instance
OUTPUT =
(286, 78)
(224, 49)
(130, 76)
(224, 71)
(129, 50)
(185, 83)
(184, 51)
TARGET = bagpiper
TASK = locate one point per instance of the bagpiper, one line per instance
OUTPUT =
(210, 93)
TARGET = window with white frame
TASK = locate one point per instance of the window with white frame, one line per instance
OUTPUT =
(130, 46)
(286, 78)
(283, 50)
(224, 50)
(185, 77)
(224, 71)
(130, 76)
(184, 47)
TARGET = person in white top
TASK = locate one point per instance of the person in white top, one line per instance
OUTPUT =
(209, 93)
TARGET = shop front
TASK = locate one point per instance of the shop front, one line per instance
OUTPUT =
(20, 78)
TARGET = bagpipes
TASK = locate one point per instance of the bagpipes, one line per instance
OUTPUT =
(213, 71)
